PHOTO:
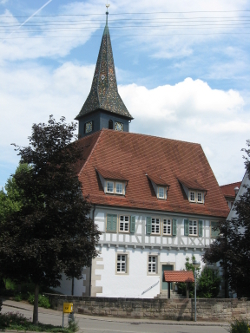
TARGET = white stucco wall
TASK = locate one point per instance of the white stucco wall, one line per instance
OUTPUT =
(137, 282)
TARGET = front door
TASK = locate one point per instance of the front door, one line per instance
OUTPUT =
(164, 285)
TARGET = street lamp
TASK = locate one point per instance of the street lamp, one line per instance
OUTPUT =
(196, 265)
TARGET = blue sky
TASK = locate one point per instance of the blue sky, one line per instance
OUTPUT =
(183, 70)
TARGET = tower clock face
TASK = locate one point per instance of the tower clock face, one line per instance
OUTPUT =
(118, 126)
(89, 127)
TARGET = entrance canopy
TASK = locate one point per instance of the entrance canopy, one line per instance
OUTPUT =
(179, 276)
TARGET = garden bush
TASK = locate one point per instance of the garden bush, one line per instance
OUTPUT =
(43, 301)
(239, 326)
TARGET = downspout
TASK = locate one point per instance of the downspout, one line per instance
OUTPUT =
(90, 271)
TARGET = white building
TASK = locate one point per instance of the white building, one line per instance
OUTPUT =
(155, 200)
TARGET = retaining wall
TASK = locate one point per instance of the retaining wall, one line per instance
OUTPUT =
(215, 309)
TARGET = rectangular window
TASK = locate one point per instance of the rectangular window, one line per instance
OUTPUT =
(167, 227)
(121, 263)
(118, 188)
(155, 226)
(124, 223)
(110, 187)
(199, 197)
(192, 227)
(161, 192)
(152, 264)
(192, 196)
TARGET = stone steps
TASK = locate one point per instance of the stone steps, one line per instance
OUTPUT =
(173, 295)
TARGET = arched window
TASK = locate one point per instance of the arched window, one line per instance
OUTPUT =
(111, 124)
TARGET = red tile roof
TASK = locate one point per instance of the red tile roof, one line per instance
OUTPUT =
(228, 190)
(114, 175)
(179, 276)
(192, 184)
(135, 155)
(157, 180)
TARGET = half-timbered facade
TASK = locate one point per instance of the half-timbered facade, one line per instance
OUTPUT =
(155, 200)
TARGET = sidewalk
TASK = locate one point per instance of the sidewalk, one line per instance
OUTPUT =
(26, 306)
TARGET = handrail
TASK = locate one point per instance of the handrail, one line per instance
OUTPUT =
(150, 288)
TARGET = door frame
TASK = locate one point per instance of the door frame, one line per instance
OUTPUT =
(162, 264)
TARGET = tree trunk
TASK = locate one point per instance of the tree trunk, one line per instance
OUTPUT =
(73, 286)
(35, 310)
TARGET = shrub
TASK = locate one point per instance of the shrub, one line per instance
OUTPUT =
(239, 326)
(209, 283)
(43, 301)
(18, 297)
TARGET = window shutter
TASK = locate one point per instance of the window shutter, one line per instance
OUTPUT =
(186, 227)
(214, 233)
(148, 225)
(174, 226)
(111, 222)
(132, 223)
(200, 228)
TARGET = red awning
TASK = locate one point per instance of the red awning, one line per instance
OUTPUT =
(179, 276)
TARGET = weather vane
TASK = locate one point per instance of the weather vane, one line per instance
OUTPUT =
(107, 13)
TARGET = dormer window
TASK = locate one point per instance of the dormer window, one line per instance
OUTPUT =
(119, 188)
(110, 187)
(112, 182)
(192, 197)
(116, 187)
(194, 191)
(159, 185)
(196, 196)
(162, 192)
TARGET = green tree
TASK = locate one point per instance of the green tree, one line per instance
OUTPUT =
(232, 247)
(11, 198)
(52, 232)
(209, 283)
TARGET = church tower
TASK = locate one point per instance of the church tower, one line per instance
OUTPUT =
(104, 107)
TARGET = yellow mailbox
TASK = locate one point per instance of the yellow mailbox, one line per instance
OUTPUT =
(67, 307)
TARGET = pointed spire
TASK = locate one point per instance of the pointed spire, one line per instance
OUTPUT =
(104, 93)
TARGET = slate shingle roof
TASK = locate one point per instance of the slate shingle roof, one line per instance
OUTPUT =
(135, 155)
(104, 93)
(179, 276)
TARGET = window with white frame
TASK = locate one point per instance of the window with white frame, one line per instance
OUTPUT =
(193, 227)
(192, 196)
(152, 264)
(118, 188)
(124, 223)
(110, 187)
(121, 263)
(155, 226)
(196, 196)
(161, 193)
(167, 227)
(115, 187)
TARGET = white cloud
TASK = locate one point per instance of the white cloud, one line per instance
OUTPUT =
(190, 110)
(190, 100)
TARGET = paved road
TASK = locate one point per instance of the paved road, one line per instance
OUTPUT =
(88, 324)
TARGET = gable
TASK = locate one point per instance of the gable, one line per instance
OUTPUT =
(134, 156)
